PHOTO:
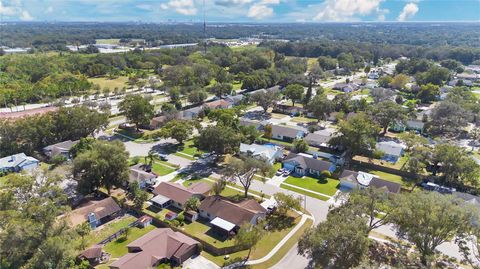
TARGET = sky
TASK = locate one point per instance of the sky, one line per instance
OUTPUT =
(276, 11)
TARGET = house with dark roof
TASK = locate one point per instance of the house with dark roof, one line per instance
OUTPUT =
(285, 133)
(141, 173)
(359, 180)
(318, 139)
(192, 113)
(228, 216)
(95, 212)
(306, 165)
(161, 245)
(59, 149)
(94, 255)
(17, 163)
(234, 100)
(468, 198)
(173, 194)
(346, 87)
(247, 122)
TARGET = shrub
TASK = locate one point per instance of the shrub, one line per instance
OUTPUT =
(325, 174)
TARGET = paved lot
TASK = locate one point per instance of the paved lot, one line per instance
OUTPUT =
(199, 262)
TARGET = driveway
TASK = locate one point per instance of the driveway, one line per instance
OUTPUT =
(199, 262)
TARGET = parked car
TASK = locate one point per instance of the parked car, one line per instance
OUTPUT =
(286, 173)
(150, 188)
(163, 157)
(279, 172)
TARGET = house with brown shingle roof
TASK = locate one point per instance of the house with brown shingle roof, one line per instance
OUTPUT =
(218, 104)
(169, 193)
(138, 173)
(95, 212)
(228, 215)
(156, 247)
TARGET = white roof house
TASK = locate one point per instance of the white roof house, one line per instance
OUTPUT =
(266, 152)
(17, 163)
(391, 148)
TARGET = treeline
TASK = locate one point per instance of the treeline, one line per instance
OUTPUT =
(32, 134)
(373, 52)
(54, 36)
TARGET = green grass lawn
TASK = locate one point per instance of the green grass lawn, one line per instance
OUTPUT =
(118, 248)
(108, 229)
(184, 156)
(190, 149)
(326, 186)
(303, 119)
(313, 195)
(103, 82)
(161, 169)
(277, 166)
(201, 230)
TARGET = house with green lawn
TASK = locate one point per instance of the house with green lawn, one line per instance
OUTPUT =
(306, 165)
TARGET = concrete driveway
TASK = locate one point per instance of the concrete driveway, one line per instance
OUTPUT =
(199, 262)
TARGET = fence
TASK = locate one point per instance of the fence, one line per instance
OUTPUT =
(117, 234)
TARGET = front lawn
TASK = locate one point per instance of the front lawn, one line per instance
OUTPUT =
(307, 193)
(161, 169)
(190, 149)
(328, 186)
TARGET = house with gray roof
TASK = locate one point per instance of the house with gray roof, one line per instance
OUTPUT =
(17, 163)
(269, 152)
(360, 180)
(235, 100)
(192, 113)
(285, 133)
(62, 149)
(391, 149)
(303, 165)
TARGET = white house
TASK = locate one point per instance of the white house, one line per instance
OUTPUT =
(18, 162)
(269, 153)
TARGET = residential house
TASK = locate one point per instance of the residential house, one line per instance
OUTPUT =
(467, 76)
(95, 212)
(247, 122)
(159, 121)
(409, 125)
(227, 216)
(141, 173)
(59, 149)
(192, 113)
(374, 74)
(359, 180)
(235, 100)
(473, 68)
(289, 110)
(217, 104)
(346, 87)
(468, 198)
(268, 152)
(460, 82)
(94, 255)
(17, 163)
(318, 139)
(169, 193)
(391, 149)
(287, 134)
(161, 245)
(305, 165)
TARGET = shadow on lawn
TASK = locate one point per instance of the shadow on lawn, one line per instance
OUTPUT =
(278, 222)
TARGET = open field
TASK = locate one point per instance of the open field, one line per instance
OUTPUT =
(103, 82)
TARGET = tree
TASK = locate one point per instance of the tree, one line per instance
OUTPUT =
(368, 203)
(428, 93)
(294, 92)
(137, 195)
(220, 139)
(265, 99)
(387, 112)
(435, 75)
(385, 81)
(267, 131)
(399, 81)
(192, 204)
(197, 96)
(221, 89)
(300, 145)
(412, 140)
(219, 186)
(287, 202)
(320, 107)
(242, 170)
(447, 117)
(137, 109)
(456, 166)
(357, 135)
(105, 165)
(381, 94)
(83, 230)
(174, 94)
(179, 130)
(247, 237)
(314, 74)
(440, 216)
(82, 145)
(31, 233)
(335, 243)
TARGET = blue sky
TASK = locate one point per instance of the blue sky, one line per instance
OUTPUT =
(240, 10)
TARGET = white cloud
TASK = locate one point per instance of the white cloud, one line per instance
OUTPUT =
(347, 10)
(7, 11)
(262, 9)
(184, 7)
(409, 10)
(25, 16)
